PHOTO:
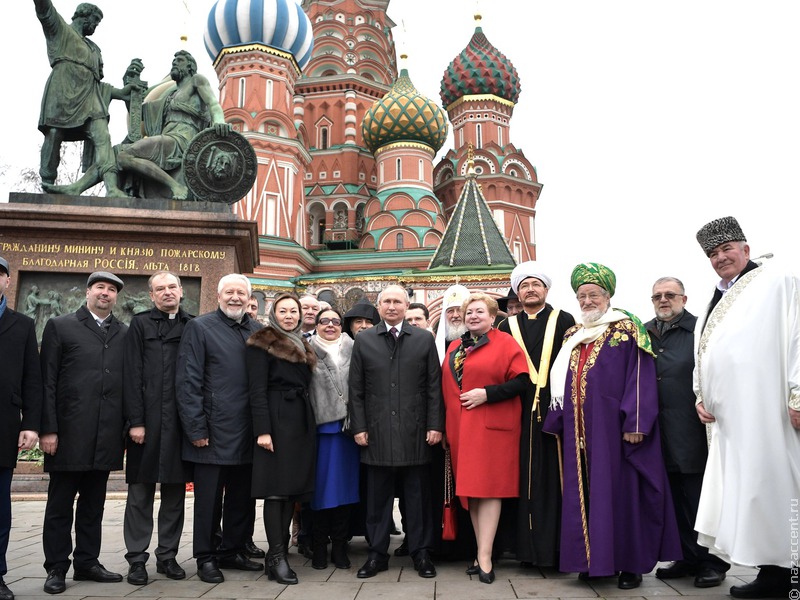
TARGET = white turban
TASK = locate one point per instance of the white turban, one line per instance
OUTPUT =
(454, 296)
(528, 269)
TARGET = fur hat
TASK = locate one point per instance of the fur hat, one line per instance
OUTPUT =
(719, 232)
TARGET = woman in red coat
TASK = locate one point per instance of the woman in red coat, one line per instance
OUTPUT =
(483, 376)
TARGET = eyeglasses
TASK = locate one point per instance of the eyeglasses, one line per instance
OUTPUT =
(666, 295)
(594, 297)
(327, 321)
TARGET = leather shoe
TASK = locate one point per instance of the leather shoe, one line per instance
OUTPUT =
(402, 549)
(209, 572)
(171, 569)
(759, 589)
(5, 593)
(96, 573)
(424, 566)
(485, 577)
(473, 569)
(629, 581)
(137, 574)
(708, 577)
(239, 562)
(676, 570)
(305, 550)
(253, 551)
(371, 568)
(55, 584)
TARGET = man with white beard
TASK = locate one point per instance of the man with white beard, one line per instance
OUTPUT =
(451, 325)
(212, 396)
(616, 504)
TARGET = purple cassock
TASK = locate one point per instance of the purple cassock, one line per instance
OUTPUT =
(617, 510)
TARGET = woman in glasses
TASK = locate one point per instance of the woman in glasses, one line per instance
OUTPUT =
(336, 485)
(279, 366)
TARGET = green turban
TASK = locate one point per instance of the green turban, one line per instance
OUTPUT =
(594, 273)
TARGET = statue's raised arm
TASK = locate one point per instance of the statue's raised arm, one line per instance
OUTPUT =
(75, 101)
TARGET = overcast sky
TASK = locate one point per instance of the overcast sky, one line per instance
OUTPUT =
(644, 119)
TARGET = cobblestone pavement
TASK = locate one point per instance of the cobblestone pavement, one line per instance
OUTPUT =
(26, 575)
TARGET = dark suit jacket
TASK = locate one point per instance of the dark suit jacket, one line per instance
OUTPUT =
(395, 394)
(82, 372)
(20, 384)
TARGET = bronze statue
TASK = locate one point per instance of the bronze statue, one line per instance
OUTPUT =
(75, 101)
(171, 123)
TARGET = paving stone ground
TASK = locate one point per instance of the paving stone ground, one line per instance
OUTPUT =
(26, 575)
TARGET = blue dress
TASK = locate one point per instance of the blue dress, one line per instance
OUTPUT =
(338, 458)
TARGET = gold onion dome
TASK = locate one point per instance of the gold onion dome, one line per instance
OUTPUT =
(404, 115)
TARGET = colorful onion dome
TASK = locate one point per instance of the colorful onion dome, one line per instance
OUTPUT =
(480, 69)
(404, 115)
(281, 24)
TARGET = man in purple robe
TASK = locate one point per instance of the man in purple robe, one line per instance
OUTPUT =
(617, 516)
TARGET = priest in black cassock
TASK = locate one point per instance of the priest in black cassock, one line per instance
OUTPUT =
(539, 330)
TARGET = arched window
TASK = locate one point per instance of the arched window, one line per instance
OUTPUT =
(399, 167)
(399, 241)
(421, 170)
(269, 93)
(323, 138)
(500, 136)
(478, 136)
(242, 91)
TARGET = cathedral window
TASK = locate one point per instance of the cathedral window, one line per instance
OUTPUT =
(399, 241)
(242, 91)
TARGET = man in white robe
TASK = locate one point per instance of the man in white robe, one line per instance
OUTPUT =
(747, 381)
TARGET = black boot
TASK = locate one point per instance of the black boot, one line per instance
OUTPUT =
(339, 526)
(319, 539)
(278, 569)
(277, 518)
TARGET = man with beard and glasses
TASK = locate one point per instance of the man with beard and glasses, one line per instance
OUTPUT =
(539, 330)
(617, 516)
(212, 395)
(451, 325)
(683, 436)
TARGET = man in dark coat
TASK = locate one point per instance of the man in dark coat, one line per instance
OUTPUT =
(82, 429)
(397, 414)
(20, 404)
(154, 437)
(212, 395)
(539, 330)
(683, 437)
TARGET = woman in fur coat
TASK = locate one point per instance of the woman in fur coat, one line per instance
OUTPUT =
(338, 458)
(279, 367)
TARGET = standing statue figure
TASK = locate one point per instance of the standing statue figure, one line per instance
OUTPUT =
(170, 124)
(75, 101)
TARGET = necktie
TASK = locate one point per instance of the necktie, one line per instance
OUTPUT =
(394, 332)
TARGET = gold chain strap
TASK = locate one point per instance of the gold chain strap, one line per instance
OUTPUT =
(448, 477)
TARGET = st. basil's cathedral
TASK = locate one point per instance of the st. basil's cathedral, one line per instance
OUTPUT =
(347, 197)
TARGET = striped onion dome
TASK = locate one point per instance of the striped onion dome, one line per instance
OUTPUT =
(480, 69)
(404, 115)
(281, 24)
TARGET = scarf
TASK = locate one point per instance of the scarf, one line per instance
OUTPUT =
(294, 335)
(586, 335)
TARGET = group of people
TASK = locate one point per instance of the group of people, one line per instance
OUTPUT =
(582, 447)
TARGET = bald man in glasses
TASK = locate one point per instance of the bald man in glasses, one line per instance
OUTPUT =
(683, 436)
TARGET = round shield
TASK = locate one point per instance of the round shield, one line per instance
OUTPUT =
(219, 168)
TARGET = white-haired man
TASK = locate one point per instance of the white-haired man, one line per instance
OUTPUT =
(211, 386)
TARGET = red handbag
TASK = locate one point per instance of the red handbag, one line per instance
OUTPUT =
(449, 514)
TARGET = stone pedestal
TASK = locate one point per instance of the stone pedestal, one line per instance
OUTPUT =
(54, 242)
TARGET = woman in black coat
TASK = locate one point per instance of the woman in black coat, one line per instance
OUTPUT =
(279, 366)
